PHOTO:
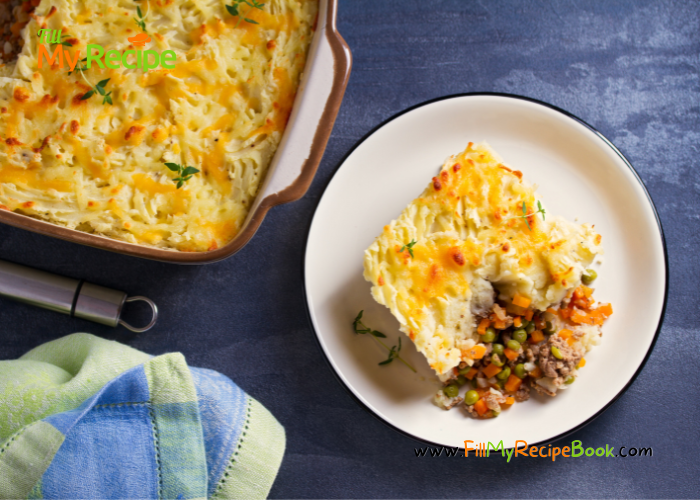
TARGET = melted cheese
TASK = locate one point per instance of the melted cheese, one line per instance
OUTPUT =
(100, 168)
(471, 245)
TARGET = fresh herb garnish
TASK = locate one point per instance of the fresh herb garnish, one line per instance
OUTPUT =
(393, 354)
(81, 68)
(184, 174)
(234, 10)
(64, 42)
(361, 329)
(141, 20)
(409, 247)
(525, 216)
(100, 89)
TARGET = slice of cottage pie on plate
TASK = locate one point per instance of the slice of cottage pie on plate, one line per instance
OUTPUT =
(490, 287)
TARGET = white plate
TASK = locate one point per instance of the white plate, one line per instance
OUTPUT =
(580, 175)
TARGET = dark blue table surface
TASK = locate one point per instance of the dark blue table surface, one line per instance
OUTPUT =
(630, 69)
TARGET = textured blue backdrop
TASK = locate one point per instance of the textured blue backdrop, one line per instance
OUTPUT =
(629, 69)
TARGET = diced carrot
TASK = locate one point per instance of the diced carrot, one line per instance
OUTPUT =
(480, 407)
(587, 292)
(528, 314)
(510, 353)
(570, 341)
(565, 333)
(517, 321)
(540, 323)
(551, 310)
(521, 301)
(536, 336)
(499, 324)
(581, 317)
(565, 313)
(597, 317)
(605, 309)
(492, 370)
(578, 294)
(581, 363)
(510, 400)
(515, 310)
(481, 330)
(476, 352)
(513, 383)
(536, 373)
(472, 373)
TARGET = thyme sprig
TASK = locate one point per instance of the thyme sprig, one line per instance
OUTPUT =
(234, 10)
(361, 329)
(141, 20)
(100, 89)
(409, 247)
(525, 216)
(78, 67)
(65, 42)
(184, 173)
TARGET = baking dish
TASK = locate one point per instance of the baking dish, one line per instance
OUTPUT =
(292, 168)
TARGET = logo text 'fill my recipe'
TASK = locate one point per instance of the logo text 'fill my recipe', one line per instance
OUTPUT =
(143, 59)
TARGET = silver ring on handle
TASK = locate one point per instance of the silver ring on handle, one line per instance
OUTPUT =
(154, 308)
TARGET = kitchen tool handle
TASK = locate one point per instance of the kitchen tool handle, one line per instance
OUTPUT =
(69, 296)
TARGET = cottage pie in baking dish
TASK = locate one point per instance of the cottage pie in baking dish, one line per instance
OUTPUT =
(490, 287)
(170, 156)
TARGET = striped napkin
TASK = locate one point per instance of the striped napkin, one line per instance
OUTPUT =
(83, 417)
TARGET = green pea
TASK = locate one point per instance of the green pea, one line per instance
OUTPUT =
(475, 383)
(513, 344)
(496, 360)
(451, 391)
(548, 329)
(497, 349)
(569, 380)
(461, 380)
(589, 276)
(530, 327)
(556, 353)
(503, 374)
(520, 335)
(471, 397)
(524, 323)
(520, 370)
(465, 370)
(489, 336)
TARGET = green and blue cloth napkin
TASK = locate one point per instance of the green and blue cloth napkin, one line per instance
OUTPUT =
(83, 417)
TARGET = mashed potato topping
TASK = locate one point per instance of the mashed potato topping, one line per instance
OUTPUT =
(463, 245)
(100, 168)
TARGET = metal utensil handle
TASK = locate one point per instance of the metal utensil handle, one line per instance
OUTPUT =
(154, 308)
(69, 296)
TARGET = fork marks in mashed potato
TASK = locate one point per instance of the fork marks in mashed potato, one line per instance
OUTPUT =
(221, 110)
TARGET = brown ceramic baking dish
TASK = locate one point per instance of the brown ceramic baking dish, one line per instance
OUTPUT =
(292, 168)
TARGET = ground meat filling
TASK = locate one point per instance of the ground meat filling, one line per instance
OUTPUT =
(522, 394)
(558, 368)
(494, 401)
(14, 15)
(519, 350)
